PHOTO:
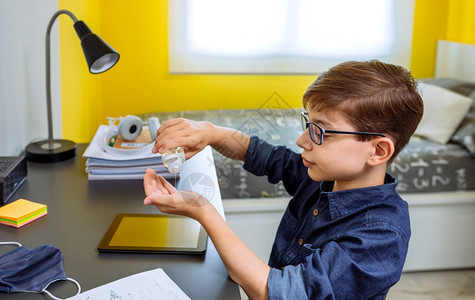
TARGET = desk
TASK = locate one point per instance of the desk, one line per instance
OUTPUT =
(80, 212)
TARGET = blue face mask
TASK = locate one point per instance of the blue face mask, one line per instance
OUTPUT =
(32, 271)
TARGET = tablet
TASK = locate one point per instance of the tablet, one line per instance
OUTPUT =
(154, 233)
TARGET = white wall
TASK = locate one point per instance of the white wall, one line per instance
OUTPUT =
(23, 26)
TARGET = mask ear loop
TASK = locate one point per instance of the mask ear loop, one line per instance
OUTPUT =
(11, 243)
(56, 298)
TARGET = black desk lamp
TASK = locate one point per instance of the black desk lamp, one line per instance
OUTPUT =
(100, 57)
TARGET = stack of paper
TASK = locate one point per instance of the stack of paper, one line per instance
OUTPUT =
(117, 163)
(21, 212)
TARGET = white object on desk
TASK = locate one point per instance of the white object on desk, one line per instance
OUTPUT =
(199, 175)
(96, 149)
(154, 284)
(121, 164)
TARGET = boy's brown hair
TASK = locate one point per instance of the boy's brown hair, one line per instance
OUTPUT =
(374, 96)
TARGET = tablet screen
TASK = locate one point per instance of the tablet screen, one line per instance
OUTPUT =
(154, 233)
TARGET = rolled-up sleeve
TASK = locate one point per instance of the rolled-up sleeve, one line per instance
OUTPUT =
(290, 282)
(287, 283)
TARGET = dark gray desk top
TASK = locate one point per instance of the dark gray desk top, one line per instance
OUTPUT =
(80, 212)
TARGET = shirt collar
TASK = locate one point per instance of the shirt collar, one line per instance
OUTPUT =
(345, 202)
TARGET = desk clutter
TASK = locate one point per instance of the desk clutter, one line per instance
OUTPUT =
(82, 209)
(109, 157)
(21, 212)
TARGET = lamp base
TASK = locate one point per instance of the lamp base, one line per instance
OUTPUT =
(42, 152)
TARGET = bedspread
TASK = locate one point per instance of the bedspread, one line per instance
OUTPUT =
(422, 166)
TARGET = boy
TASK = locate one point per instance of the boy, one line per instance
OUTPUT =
(345, 232)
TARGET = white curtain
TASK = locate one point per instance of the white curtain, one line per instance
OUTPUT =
(286, 36)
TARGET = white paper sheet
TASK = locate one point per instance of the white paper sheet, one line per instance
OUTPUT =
(154, 284)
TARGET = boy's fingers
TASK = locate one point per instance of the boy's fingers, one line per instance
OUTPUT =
(148, 201)
(153, 184)
(169, 123)
(160, 185)
(167, 185)
(149, 182)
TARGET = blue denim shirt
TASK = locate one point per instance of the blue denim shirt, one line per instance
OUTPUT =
(349, 244)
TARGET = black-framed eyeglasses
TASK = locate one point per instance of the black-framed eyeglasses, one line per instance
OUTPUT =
(317, 133)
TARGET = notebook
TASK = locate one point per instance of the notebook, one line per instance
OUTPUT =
(21, 212)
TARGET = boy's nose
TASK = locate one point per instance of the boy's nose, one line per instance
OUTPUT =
(304, 141)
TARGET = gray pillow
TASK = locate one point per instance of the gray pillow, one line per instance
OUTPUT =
(465, 132)
(444, 111)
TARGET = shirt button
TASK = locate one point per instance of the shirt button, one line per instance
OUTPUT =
(315, 212)
(301, 242)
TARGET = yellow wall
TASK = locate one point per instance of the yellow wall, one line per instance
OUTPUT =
(430, 23)
(80, 91)
(140, 82)
(461, 21)
(452, 20)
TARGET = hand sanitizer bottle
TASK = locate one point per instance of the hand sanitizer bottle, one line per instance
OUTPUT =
(173, 159)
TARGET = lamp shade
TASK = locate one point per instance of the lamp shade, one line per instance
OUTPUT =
(99, 55)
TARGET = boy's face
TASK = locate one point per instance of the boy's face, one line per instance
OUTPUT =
(340, 158)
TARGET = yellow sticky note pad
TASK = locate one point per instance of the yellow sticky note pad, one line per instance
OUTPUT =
(21, 212)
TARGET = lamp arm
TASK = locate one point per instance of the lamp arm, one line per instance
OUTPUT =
(48, 72)
(100, 57)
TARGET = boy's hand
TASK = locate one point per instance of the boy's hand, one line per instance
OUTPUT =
(168, 199)
(193, 136)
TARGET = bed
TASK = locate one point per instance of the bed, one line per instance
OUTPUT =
(435, 171)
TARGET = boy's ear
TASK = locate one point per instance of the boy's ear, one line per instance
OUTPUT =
(383, 149)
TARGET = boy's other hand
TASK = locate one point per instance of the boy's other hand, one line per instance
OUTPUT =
(168, 199)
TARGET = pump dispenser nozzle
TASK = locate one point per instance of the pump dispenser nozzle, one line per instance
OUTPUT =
(173, 159)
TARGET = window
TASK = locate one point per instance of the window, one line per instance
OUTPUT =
(286, 36)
